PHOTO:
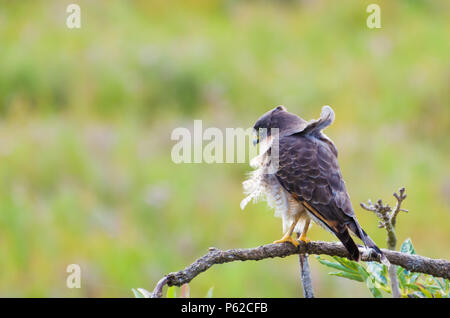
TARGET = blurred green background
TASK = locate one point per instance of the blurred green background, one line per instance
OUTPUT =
(86, 116)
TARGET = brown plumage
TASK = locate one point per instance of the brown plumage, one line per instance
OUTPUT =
(309, 172)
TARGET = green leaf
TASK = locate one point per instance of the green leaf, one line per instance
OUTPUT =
(413, 287)
(401, 278)
(145, 292)
(378, 271)
(348, 269)
(443, 286)
(137, 294)
(363, 272)
(425, 292)
(353, 266)
(370, 282)
(171, 292)
(413, 278)
(407, 275)
(348, 275)
(438, 281)
(333, 265)
(433, 289)
(407, 247)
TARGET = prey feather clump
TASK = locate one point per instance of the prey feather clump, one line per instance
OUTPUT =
(255, 187)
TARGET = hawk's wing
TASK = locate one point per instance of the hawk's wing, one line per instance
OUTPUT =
(308, 169)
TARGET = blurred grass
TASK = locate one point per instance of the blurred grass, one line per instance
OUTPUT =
(86, 117)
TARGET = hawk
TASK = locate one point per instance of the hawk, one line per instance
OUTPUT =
(307, 183)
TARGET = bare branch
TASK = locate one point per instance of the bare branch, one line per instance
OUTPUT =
(400, 198)
(413, 263)
(305, 274)
(388, 216)
(157, 292)
(395, 289)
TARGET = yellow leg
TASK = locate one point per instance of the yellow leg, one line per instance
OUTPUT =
(287, 237)
(305, 229)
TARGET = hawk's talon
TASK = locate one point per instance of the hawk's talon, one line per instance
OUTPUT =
(287, 239)
(303, 238)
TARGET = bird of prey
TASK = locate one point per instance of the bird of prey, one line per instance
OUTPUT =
(307, 184)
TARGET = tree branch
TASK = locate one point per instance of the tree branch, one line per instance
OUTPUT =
(413, 263)
(398, 207)
(388, 219)
(305, 274)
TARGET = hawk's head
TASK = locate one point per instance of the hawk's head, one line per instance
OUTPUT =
(277, 118)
